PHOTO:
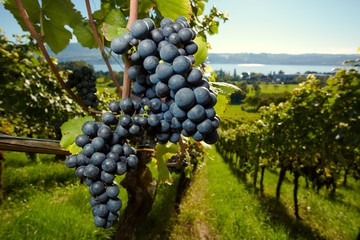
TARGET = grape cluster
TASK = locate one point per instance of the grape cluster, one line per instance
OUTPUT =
(178, 96)
(85, 83)
(174, 99)
(104, 155)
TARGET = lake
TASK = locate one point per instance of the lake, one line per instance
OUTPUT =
(257, 68)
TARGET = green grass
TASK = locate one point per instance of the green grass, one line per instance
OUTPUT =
(16, 159)
(273, 88)
(238, 212)
(44, 200)
(20, 173)
(237, 113)
(162, 218)
(245, 113)
(328, 217)
(63, 213)
(221, 205)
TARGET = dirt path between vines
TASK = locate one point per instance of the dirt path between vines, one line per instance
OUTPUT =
(195, 212)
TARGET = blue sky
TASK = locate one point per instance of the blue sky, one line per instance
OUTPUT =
(273, 26)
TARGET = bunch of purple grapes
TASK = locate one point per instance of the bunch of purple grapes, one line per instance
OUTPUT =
(178, 96)
(174, 99)
(104, 155)
(85, 83)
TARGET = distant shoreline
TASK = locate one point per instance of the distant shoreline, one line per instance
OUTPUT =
(75, 52)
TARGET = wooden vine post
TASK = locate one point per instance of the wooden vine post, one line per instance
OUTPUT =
(1, 182)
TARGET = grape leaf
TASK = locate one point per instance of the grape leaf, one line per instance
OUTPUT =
(163, 153)
(84, 35)
(223, 91)
(62, 39)
(115, 17)
(111, 31)
(224, 88)
(114, 24)
(53, 15)
(214, 28)
(201, 54)
(32, 8)
(74, 149)
(152, 165)
(145, 6)
(174, 8)
(71, 129)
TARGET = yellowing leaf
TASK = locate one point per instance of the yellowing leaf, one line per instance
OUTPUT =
(174, 8)
(202, 53)
(71, 129)
(74, 149)
(111, 31)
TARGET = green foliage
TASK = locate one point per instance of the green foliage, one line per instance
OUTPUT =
(31, 98)
(70, 130)
(206, 24)
(162, 154)
(259, 100)
(114, 24)
(50, 18)
(74, 65)
(316, 132)
(173, 8)
(201, 54)
(223, 91)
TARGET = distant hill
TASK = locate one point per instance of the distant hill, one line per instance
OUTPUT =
(76, 52)
(280, 59)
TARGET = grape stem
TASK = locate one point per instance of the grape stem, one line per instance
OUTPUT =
(101, 48)
(132, 17)
(182, 146)
(42, 47)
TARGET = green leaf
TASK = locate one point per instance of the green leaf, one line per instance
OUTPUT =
(74, 149)
(110, 31)
(32, 8)
(71, 129)
(152, 165)
(163, 153)
(56, 38)
(200, 8)
(145, 6)
(84, 35)
(202, 53)
(53, 16)
(214, 28)
(223, 91)
(224, 88)
(61, 12)
(174, 8)
(116, 18)
(114, 24)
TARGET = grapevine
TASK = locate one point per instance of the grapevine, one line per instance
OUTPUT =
(174, 100)
(85, 83)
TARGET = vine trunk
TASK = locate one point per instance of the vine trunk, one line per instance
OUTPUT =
(141, 189)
